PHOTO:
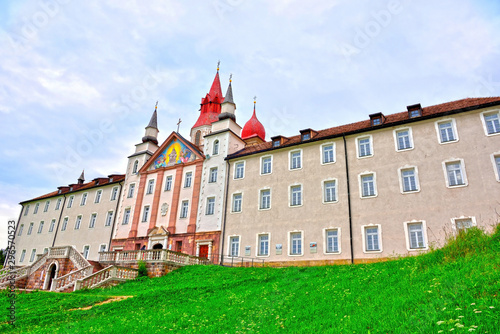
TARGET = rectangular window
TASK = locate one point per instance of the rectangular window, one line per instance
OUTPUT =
(213, 175)
(492, 122)
(497, 165)
(131, 189)
(328, 154)
(332, 241)
(52, 225)
(84, 199)
(30, 228)
(234, 243)
(330, 189)
(463, 224)
(295, 160)
(78, 222)
(263, 245)
(239, 170)
(126, 217)
(33, 254)
(23, 254)
(372, 239)
(210, 206)
(266, 165)
(40, 227)
(184, 209)
(27, 210)
(109, 218)
(114, 193)
(86, 249)
(46, 206)
(446, 132)
(21, 227)
(93, 218)
(45, 250)
(64, 224)
(276, 143)
(296, 243)
(150, 188)
(168, 183)
(58, 203)
(416, 236)
(367, 185)
(237, 198)
(364, 147)
(70, 201)
(187, 180)
(296, 195)
(403, 139)
(306, 136)
(265, 199)
(409, 180)
(145, 214)
(36, 208)
(98, 195)
(455, 174)
(102, 248)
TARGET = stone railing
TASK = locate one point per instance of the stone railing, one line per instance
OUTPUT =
(38, 263)
(111, 273)
(77, 258)
(59, 252)
(151, 255)
(63, 282)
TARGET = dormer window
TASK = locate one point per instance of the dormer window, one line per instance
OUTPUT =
(278, 140)
(276, 143)
(59, 191)
(110, 179)
(306, 136)
(414, 110)
(377, 119)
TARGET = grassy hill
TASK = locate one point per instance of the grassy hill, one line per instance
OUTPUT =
(453, 289)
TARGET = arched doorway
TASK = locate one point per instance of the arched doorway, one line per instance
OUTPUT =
(51, 274)
(158, 246)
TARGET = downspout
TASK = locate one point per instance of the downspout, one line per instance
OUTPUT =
(7, 256)
(116, 214)
(348, 198)
(59, 221)
(225, 214)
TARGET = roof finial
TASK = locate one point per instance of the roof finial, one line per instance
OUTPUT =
(254, 101)
(230, 77)
(218, 64)
(178, 124)
(156, 106)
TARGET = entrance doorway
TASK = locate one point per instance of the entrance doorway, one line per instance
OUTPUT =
(158, 246)
(203, 251)
(51, 276)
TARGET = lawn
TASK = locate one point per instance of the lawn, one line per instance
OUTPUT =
(453, 289)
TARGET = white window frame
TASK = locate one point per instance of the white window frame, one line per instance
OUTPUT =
(135, 167)
(98, 196)
(83, 201)
(131, 190)
(216, 147)
(372, 151)
(146, 213)
(210, 206)
(379, 233)
(453, 127)
(233, 202)
(23, 255)
(262, 164)
(213, 174)
(30, 228)
(150, 188)
(301, 242)
(270, 199)
(93, 215)
(396, 139)
(183, 214)
(20, 232)
(126, 216)
(27, 210)
(188, 179)
(336, 192)
(454, 222)
(401, 183)
(322, 153)
(462, 170)
(46, 208)
(33, 255)
(230, 248)
(496, 167)
(360, 182)
(325, 240)
(40, 227)
(290, 197)
(235, 173)
(109, 218)
(70, 201)
(52, 225)
(485, 127)
(424, 235)
(257, 244)
(169, 179)
(37, 205)
(78, 222)
(114, 194)
(86, 253)
(64, 225)
(101, 248)
(290, 159)
(58, 203)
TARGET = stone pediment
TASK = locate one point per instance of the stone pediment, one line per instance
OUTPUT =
(158, 231)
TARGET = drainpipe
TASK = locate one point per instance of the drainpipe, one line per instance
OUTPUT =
(116, 214)
(59, 221)
(348, 198)
(221, 249)
(7, 255)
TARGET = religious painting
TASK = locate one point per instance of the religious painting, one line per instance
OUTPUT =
(175, 153)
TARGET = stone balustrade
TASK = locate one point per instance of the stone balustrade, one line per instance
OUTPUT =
(151, 255)
(60, 283)
(107, 274)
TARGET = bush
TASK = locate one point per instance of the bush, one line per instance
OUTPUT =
(142, 270)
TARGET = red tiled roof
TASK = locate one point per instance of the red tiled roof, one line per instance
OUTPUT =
(393, 119)
(77, 187)
(211, 104)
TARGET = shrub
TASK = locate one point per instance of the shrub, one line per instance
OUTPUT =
(142, 270)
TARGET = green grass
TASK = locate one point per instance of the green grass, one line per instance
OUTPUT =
(455, 287)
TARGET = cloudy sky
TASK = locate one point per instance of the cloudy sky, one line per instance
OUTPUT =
(79, 80)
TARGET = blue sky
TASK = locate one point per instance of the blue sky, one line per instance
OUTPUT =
(74, 73)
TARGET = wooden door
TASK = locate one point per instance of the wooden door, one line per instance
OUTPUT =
(203, 251)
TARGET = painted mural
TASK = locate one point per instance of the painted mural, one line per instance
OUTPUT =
(175, 153)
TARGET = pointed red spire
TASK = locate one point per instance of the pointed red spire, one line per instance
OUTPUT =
(253, 128)
(210, 104)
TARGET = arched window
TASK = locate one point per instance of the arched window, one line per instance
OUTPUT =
(136, 165)
(197, 138)
(216, 147)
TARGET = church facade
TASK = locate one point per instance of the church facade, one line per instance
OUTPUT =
(389, 185)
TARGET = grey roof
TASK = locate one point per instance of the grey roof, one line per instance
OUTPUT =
(229, 95)
(82, 177)
(153, 123)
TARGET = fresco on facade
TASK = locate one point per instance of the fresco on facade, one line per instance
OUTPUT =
(175, 153)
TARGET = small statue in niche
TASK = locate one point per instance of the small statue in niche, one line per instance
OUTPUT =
(164, 209)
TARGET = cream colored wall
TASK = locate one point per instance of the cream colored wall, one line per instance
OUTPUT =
(185, 194)
(434, 204)
(166, 197)
(147, 200)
